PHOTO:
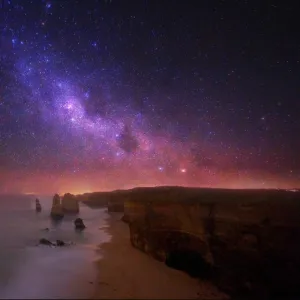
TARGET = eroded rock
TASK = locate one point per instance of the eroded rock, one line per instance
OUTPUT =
(57, 212)
(70, 204)
(249, 237)
(60, 243)
(79, 225)
(46, 242)
(38, 207)
(57, 243)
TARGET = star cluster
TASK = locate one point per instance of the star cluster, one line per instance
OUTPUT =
(101, 95)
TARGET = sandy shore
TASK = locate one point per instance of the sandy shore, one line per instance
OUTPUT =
(125, 272)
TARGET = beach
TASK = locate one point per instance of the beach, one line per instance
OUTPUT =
(125, 272)
(102, 264)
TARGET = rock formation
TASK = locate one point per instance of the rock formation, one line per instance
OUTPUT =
(245, 240)
(57, 212)
(79, 225)
(70, 204)
(114, 201)
(38, 207)
(45, 242)
(59, 243)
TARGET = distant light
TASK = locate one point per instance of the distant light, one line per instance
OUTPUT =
(183, 170)
(48, 5)
(160, 169)
(72, 119)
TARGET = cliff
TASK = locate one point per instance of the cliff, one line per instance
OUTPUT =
(113, 201)
(246, 241)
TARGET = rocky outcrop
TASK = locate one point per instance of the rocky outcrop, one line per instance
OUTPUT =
(57, 212)
(70, 204)
(38, 207)
(58, 243)
(79, 225)
(45, 242)
(245, 240)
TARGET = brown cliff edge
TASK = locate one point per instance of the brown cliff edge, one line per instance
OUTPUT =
(246, 241)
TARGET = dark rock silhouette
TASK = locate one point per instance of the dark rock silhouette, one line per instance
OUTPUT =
(70, 204)
(245, 240)
(60, 243)
(57, 209)
(38, 207)
(46, 242)
(79, 225)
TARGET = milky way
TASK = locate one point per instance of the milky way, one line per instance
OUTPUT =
(99, 95)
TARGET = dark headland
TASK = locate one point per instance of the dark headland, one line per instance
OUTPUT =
(244, 241)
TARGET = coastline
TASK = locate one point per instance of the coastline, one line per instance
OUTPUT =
(124, 272)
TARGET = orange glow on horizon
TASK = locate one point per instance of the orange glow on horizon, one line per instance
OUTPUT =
(44, 183)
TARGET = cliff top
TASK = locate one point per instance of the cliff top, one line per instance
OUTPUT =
(176, 193)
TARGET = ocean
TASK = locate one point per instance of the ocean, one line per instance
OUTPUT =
(30, 271)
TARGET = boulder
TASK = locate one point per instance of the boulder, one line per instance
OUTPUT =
(79, 225)
(70, 204)
(46, 242)
(57, 209)
(60, 243)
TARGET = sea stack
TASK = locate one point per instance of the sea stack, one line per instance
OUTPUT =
(70, 204)
(38, 207)
(57, 209)
(79, 225)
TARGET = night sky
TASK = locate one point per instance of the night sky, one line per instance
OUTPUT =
(101, 95)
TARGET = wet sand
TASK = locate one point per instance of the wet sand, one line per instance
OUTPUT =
(124, 272)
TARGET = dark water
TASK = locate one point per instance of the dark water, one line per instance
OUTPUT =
(31, 271)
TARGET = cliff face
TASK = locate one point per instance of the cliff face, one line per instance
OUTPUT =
(114, 201)
(70, 204)
(247, 237)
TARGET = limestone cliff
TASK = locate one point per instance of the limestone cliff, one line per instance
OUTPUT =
(114, 201)
(249, 238)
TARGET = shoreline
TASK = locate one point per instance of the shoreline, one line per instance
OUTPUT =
(125, 272)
